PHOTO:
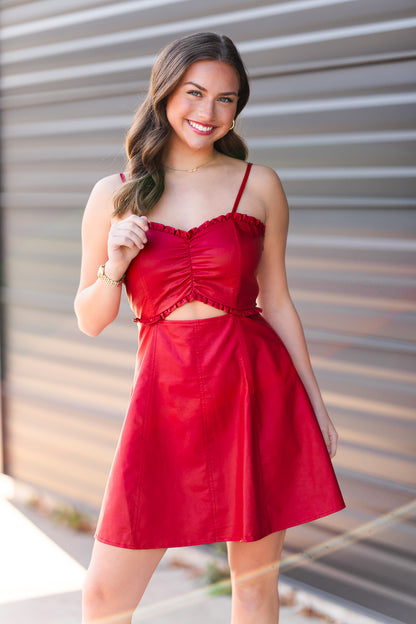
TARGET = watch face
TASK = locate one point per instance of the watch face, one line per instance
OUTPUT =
(102, 276)
(101, 273)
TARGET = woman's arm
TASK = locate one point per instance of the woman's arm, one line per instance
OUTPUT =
(274, 297)
(108, 242)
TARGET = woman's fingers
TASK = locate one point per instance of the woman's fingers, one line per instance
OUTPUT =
(133, 224)
(129, 232)
(127, 238)
(141, 221)
(332, 442)
(331, 438)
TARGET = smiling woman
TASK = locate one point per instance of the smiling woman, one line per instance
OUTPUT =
(205, 109)
(226, 438)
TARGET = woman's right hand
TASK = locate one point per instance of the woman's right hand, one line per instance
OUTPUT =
(126, 239)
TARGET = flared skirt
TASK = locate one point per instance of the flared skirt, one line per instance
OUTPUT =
(220, 441)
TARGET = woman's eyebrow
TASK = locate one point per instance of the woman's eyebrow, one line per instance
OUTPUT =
(203, 89)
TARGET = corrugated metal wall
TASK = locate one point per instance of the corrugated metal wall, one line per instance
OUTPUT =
(332, 109)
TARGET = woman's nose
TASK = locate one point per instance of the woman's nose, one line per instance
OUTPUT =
(207, 109)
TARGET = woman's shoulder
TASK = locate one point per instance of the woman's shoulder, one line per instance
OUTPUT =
(265, 175)
(104, 189)
(101, 200)
(268, 190)
(109, 183)
(262, 174)
(266, 182)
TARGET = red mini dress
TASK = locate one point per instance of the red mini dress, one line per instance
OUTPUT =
(220, 441)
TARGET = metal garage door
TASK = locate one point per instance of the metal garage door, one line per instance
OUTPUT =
(333, 110)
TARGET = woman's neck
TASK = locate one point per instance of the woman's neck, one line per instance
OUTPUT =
(187, 160)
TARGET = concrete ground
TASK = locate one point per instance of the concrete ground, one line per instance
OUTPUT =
(43, 564)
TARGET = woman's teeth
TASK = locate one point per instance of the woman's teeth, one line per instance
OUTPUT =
(200, 127)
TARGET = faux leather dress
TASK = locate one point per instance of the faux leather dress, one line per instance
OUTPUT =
(220, 441)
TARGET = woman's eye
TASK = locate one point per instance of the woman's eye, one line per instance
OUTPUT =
(194, 92)
(226, 99)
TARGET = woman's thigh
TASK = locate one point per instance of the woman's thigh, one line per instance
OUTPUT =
(251, 561)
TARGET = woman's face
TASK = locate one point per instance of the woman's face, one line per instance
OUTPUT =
(202, 107)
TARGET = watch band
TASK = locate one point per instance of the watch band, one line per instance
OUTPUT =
(103, 277)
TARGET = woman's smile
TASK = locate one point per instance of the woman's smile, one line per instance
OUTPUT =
(200, 128)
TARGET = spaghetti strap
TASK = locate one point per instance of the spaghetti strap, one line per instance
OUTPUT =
(242, 187)
(123, 177)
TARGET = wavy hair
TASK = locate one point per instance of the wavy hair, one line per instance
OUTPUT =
(150, 130)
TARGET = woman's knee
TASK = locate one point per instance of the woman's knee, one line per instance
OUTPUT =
(104, 600)
(97, 590)
(256, 592)
(254, 571)
(117, 578)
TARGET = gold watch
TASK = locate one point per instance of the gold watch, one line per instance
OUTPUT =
(103, 277)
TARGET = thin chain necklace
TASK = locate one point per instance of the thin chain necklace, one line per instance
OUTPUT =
(190, 170)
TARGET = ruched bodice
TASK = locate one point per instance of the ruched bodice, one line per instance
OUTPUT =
(215, 262)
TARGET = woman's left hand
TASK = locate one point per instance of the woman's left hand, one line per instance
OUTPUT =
(328, 431)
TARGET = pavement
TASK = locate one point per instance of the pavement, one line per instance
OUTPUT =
(43, 564)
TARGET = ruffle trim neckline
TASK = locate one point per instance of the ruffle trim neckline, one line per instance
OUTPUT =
(239, 216)
(197, 297)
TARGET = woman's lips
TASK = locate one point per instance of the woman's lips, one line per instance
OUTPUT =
(200, 128)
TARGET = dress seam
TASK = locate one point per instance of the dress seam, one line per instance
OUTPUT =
(139, 501)
(255, 426)
(204, 425)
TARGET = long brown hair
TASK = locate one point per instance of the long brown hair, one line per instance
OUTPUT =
(150, 130)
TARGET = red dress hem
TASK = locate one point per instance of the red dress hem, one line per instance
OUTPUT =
(223, 538)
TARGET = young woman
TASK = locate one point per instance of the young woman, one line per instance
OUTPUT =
(226, 438)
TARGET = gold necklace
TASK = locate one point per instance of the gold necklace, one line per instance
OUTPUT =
(190, 170)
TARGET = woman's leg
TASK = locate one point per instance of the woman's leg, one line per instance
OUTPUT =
(115, 582)
(254, 574)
